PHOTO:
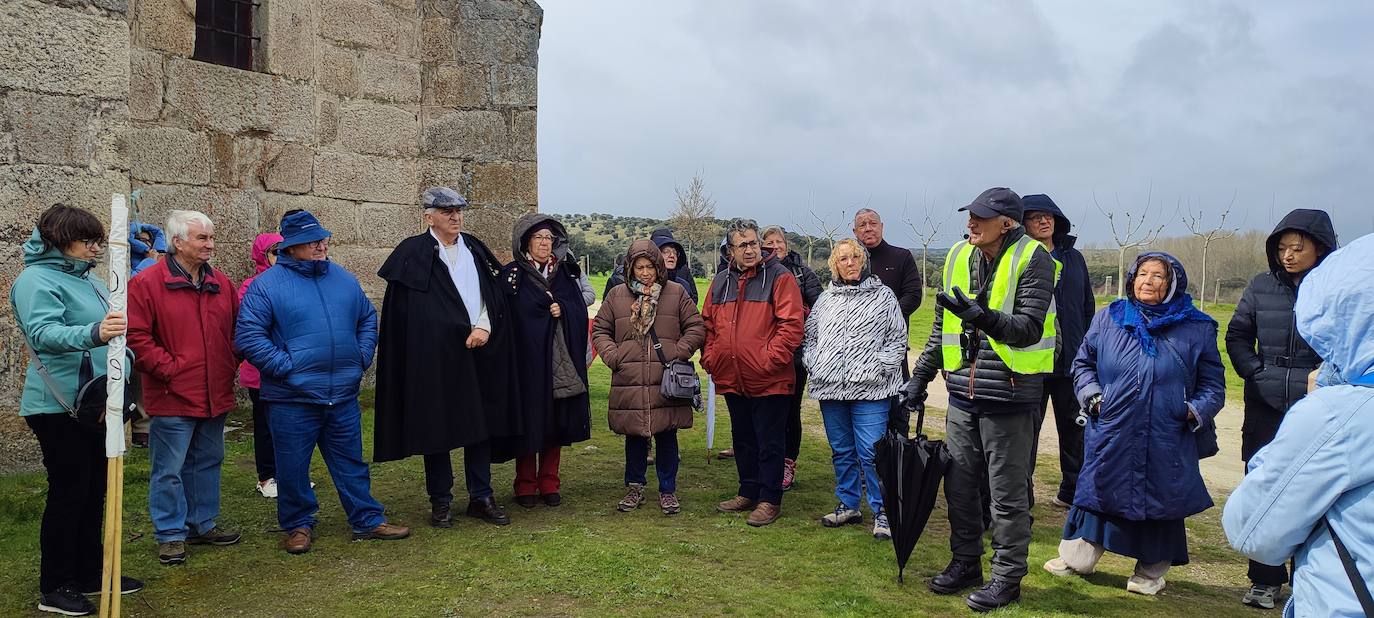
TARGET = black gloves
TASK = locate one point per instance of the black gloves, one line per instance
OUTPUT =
(912, 395)
(961, 305)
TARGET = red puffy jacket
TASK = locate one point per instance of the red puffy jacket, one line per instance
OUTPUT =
(183, 341)
(754, 325)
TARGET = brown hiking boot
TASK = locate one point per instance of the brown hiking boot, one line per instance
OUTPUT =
(297, 541)
(668, 502)
(633, 498)
(737, 504)
(766, 513)
(727, 453)
(383, 532)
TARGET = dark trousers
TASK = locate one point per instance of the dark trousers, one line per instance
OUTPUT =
(996, 447)
(476, 473)
(757, 427)
(263, 456)
(1059, 390)
(70, 538)
(792, 443)
(665, 465)
(1258, 429)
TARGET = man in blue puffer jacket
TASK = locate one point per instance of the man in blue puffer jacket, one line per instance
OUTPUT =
(1313, 484)
(306, 324)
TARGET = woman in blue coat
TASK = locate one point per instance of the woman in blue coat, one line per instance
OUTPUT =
(1150, 377)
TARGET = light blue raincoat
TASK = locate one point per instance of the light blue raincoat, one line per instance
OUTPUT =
(1321, 463)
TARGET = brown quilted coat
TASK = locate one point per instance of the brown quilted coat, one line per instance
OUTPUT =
(636, 406)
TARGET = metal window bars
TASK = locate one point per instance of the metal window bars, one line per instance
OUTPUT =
(224, 32)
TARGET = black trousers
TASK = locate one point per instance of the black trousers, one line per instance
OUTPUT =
(757, 425)
(1059, 390)
(70, 540)
(263, 456)
(476, 473)
(792, 443)
(1258, 429)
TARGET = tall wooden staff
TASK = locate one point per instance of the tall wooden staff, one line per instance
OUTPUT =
(116, 370)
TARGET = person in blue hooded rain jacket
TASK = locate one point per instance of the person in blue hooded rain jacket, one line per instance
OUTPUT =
(146, 243)
(1149, 374)
(309, 329)
(1314, 478)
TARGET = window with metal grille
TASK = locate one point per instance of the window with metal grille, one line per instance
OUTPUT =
(224, 32)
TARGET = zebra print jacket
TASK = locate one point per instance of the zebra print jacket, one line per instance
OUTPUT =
(855, 342)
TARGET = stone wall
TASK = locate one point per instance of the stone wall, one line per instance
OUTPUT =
(352, 109)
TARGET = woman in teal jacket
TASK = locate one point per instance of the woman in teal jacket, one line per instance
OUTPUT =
(1314, 479)
(62, 312)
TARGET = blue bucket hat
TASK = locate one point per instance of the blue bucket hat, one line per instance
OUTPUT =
(299, 228)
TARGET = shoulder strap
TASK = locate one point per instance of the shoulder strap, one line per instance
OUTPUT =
(658, 347)
(47, 377)
(1352, 571)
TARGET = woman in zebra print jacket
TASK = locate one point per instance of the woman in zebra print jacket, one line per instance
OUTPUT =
(854, 350)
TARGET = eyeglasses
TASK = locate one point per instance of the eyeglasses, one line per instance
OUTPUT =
(322, 243)
(95, 245)
(546, 237)
(752, 244)
(1039, 216)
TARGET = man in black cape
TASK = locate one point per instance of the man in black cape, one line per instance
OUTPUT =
(445, 367)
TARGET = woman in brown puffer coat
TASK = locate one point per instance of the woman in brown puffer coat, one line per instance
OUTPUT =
(637, 408)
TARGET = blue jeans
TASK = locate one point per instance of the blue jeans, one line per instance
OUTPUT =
(297, 429)
(665, 464)
(183, 487)
(852, 428)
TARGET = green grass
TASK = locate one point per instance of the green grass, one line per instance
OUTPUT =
(585, 558)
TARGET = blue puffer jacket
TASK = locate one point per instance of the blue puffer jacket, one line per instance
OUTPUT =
(1318, 464)
(1140, 455)
(310, 330)
(1074, 292)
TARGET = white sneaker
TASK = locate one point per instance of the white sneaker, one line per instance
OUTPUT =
(881, 531)
(268, 488)
(1059, 568)
(1140, 585)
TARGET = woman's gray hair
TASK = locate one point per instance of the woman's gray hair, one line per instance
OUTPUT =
(771, 230)
(179, 226)
(739, 226)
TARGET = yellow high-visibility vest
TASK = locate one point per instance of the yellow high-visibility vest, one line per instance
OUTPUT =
(1038, 357)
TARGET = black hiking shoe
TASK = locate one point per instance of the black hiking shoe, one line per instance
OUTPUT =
(998, 593)
(958, 575)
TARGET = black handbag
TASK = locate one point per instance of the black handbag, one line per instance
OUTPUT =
(88, 408)
(680, 379)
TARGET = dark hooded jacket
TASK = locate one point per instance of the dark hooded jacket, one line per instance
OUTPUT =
(988, 381)
(636, 405)
(682, 275)
(1262, 338)
(546, 421)
(1074, 293)
(807, 280)
(433, 393)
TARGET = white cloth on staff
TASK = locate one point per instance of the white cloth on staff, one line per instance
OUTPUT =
(116, 362)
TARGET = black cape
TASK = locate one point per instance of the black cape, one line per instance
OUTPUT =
(433, 393)
(546, 422)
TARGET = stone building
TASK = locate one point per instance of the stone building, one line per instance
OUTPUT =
(244, 109)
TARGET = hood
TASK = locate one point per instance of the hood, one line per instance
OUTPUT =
(1333, 315)
(1042, 203)
(260, 246)
(139, 249)
(1313, 223)
(1178, 286)
(649, 249)
(36, 255)
(527, 222)
(663, 237)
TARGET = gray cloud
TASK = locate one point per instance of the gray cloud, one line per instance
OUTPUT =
(785, 105)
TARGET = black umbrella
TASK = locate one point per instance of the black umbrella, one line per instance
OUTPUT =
(909, 471)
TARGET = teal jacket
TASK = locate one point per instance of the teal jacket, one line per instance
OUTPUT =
(58, 305)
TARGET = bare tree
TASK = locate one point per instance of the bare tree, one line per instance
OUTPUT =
(926, 233)
(693, 218)
(1130, 234)
(823, 228)
(1209, 236)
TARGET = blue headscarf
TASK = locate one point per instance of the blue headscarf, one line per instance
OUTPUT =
(1143, 320)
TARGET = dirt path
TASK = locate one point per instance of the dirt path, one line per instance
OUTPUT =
(1222, 472)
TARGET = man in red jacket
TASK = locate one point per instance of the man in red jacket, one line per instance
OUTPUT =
(181, 330)
(754, 325)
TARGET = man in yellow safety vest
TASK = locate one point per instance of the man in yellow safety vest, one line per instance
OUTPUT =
(994, 341)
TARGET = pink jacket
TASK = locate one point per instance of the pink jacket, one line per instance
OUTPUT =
(248, 374)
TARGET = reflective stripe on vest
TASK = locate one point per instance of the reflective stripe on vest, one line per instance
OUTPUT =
(1038, 357)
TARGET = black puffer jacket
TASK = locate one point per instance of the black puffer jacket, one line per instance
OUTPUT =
(989, 378)
(1262, 338)
(806, 278)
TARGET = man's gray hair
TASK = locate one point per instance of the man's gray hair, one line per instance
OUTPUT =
(1014, 223)
(179, 226)
(867, 211)
(739, 226)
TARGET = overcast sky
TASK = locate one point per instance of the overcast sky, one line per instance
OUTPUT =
(787, 106)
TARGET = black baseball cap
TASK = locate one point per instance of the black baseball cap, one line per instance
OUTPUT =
(996, 201)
